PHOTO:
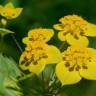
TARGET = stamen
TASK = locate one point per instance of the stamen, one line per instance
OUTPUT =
(64, 58)
(31, 39)
(67, 64)
(82, 33)
(22, 62)
(27, 63)
(71, 33)
(71, 69)
(39, 48)
(76, 37)
(90, 60)
(64, 33)
(45, 56)
(84, 67)
(13, 14)
(77, 68)
(25, 58)
(35, 62)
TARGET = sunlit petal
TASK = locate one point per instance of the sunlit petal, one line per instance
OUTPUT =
(90, 72)
(25, 40)
(65, 76)
(38, 67)
(81, 40)
(58, 26)
(90, 30)
(61, 36)
(54, 55)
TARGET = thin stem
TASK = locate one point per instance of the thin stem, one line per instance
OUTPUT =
(17, 43)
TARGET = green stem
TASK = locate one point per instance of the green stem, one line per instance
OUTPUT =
(17, 43)
(15, 40)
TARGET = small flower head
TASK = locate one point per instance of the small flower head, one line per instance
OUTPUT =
(37, 55)
(77, 62)
(74, 30)
(9, 11)
(4, 22)
(40, 34)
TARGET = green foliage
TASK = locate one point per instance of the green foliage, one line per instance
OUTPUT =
(8, 77)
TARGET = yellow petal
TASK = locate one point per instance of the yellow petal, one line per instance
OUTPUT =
(48, 34)
(54, 55)
(91, 30)
(23, 67)
(61, 36)
(37, 68)
(81, 41)
(9, 5)
(65, 76)
(18, 11)
(25, 40)
(89, 73)
(58, 26)
(93, 50)
(15, 13)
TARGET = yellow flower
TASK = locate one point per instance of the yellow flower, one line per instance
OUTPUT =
(37, 55)
(9, 11)
(77, 63)
(40, 34)
(74, 30)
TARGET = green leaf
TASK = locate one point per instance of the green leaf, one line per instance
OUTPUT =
(8, 77)
(4, 32)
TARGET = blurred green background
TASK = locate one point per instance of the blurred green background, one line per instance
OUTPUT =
(45, 13)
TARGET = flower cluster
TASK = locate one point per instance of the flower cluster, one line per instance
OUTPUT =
(37, 52)
(76, 62)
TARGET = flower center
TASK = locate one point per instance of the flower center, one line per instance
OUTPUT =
(34, 55)
(75, 59)
(9, 12)
(35, 37)
(73, 24)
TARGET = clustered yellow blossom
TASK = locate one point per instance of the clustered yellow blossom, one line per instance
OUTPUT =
(37, 52)
(9, 11)
(77, 63)
(74, 29)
